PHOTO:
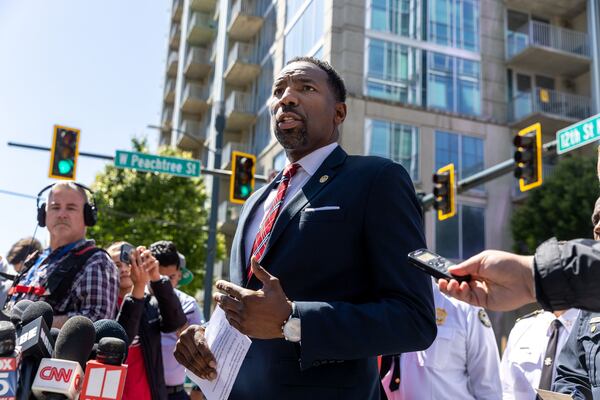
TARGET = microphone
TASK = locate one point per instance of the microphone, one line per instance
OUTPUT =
(54, 334)
(109, 328)
(34, 342)
(61, 377)
(105, 376)
(9, 361)
(17, 312)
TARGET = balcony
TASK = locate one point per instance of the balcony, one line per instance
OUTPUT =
(172, 63)
(197, 63)
(239, 111)
(562, 8)
(177, 10)
(202, 29)
(242, 67)
(552, 49)
(195, 98)
(244, 22)
(169, 94)
(229, 148)
(553, 109)
(192, 134)
(228, 217)
(205, 6)
(174, 37)
(166, 118)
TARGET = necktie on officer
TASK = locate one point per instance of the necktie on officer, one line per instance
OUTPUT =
(264, 231)
(548, 367)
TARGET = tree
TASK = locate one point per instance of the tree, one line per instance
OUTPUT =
(144, 207)
(561, 207)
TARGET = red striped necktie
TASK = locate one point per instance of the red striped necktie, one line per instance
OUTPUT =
(266, 226)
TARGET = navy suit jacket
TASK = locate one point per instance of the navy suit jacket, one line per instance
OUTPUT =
(346, 270)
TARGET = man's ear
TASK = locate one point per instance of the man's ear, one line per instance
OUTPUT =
(340, 113)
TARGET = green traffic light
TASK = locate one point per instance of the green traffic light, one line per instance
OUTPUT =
(245, 191)
(65, 166)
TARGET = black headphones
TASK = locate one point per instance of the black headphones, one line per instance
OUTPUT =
(90, 212)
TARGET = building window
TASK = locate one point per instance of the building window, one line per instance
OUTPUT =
(264, 84)
(454, 23)
(466, 152)
(307, 30)
(398, 142)
(392, 71)
(279, 161)
(462, 236)
(262, 132)
(399, 17)
(453, 84)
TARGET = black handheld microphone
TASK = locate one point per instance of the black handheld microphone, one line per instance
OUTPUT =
(61, 377)
(16, 314)
(108, 328)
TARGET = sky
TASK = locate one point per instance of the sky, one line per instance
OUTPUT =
(95, 66)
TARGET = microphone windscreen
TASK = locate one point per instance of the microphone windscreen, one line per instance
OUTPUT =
(54, 334)
(110, 328)
(111, 351)
(38, 309)
(75, 340)
(16, 315)
(8, 338)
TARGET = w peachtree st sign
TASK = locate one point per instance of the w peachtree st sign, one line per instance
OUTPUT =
(151, 163)
(578, 134)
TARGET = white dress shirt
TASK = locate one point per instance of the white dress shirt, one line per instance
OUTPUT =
(462, 363)
(522, 361)
(309, 164)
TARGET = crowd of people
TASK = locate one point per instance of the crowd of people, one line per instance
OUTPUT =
(319, 281)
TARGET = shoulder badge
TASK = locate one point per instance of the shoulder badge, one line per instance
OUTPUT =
(440, 316)
(483, 317)
(531, 314)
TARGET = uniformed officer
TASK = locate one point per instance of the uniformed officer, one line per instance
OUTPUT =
(531, 349)
(462, 362)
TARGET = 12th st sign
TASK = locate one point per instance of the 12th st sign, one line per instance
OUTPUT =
(578, 134)
(150, 163)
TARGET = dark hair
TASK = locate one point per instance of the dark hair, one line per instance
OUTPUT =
(21, 249)
(333, 78)
(165, 252)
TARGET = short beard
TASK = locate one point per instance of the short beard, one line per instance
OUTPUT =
(291, 139)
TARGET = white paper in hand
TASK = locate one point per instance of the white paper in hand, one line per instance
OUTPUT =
(548, 395)
(229, 347)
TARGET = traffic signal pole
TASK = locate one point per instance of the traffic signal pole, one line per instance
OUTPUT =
(486, 175)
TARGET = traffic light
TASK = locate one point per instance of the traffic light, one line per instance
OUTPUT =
(444, 192)
(241, 184)
(528, 157)
(64, 152)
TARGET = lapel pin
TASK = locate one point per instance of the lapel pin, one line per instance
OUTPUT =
(324, 178)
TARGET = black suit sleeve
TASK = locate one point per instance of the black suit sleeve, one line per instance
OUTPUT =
(400, 317)
(567, 274)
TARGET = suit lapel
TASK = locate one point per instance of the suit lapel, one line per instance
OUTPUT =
(314, 185)
(250, 208)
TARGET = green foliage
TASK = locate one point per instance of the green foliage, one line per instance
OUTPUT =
(561, 207)
(144, 207)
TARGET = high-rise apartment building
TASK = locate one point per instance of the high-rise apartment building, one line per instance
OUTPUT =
(429, 82)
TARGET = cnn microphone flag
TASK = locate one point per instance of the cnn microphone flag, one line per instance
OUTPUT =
(103, 381)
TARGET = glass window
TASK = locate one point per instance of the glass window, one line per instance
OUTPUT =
(467, 24)
(463, 235)
(306, 32)
(466, 152)
(262, 132)
(394, 16)
(454, 23)
(440, 17)
(398, 142)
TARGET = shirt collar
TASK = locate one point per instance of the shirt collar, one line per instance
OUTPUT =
(568, 318)
(312, 161)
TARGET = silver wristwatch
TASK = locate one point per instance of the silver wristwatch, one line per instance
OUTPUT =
(291, 327)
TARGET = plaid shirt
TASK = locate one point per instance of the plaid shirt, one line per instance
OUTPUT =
(95, 287)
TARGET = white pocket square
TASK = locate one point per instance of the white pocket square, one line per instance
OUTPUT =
(324, 208)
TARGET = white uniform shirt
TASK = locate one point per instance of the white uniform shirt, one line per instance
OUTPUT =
(522, 361)
(463, 361)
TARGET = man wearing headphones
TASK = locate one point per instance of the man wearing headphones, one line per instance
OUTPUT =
(73, 275)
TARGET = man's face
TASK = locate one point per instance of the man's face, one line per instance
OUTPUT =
(64, 215)
(172, 272)
(596, 220)
(304, 112)
(125, 281)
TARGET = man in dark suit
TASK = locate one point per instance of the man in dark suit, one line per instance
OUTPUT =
(333, 231)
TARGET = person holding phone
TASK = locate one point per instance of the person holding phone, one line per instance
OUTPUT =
(149, 306)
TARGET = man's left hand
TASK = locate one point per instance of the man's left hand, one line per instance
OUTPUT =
(256, 313)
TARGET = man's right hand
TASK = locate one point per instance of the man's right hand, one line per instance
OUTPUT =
(500, 281)
(193, 353)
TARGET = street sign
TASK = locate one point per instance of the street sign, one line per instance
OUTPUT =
(578, 134)
(150, 163)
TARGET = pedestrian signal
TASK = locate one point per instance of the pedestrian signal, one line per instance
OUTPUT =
(444, 192)
(242, 176)
(64, 152)
(528, 157)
